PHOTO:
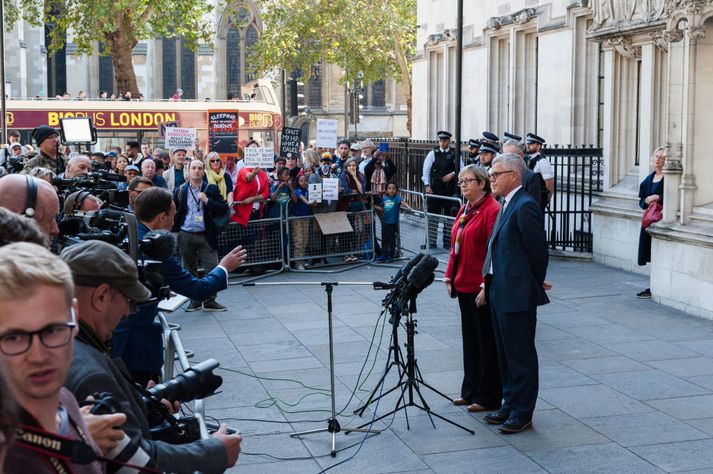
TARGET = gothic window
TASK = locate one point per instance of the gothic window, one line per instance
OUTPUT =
(240, 36)
(106, 72)
(314, 87)
(179, 68)
(378, 94)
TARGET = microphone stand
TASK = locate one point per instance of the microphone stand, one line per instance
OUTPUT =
(332, 423)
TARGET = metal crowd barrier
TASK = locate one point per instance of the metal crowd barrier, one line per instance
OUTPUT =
(309, 247)
(174, 351)
(439, 225)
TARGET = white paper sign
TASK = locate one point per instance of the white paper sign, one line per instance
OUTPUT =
(330, 189)
(326, 133)
(263, 157)
(315, 192)
(180, 138)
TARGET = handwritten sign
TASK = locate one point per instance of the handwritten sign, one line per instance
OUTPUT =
(163, 126)
(330, 189)
(223, 131)
(290, 142)
(315, 192)
(180, 138)
(333, 223)
(326, 133)
(264, 157)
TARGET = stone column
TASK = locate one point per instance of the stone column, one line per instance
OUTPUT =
(676, 86)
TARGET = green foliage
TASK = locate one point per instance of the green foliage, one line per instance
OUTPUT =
(376, 37)
(89, 21)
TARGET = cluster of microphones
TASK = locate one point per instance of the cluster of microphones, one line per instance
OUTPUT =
(410, 280)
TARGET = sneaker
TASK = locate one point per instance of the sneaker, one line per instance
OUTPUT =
(194, 306)
(644, 295)
(388, 260)
(380, 258)
(214, 306)
(300, 266)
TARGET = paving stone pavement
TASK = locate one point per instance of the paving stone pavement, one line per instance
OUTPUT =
(626, 385)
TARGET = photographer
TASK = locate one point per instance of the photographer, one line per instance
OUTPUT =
(37, 325)
(47, 140)
(77, 165)
(138, 340)
(13, 196)
(107, 290)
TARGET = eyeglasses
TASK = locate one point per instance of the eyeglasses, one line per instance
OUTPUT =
(467, 181)
(52, 337)
(494, 175)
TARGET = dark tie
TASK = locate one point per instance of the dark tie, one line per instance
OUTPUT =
(488, 256)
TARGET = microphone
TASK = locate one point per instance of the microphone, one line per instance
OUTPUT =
(406, 269)
(420, 277)
(158, 245)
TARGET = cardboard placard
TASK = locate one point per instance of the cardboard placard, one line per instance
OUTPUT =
(263, 157)
(315, 192)
(330, 189)
(180, 138)
(163, 126)
(326, 133)
(333, 223)
(290, 142)
(223, 131)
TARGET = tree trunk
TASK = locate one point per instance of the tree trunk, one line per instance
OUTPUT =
(121, 45)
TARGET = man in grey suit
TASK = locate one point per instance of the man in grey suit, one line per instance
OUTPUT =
(517, 258)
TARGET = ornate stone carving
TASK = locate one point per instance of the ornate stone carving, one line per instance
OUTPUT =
(446, 35)
(696, 33)
(518, 18)
(623, 13)
(673, 36)
(659, 39)
(624, 47)
(689, 7)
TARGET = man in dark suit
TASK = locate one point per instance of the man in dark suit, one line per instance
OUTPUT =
(198, 204)
(517, 258)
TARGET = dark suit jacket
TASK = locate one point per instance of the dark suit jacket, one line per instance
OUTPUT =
(519, 256)
(215, 207)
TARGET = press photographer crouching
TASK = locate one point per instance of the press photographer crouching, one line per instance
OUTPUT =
(138, 340)
(107, 290)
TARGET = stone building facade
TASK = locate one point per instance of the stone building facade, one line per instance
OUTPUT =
(625, 75)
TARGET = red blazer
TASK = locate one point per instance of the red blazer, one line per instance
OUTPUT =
(245, 189)
(473, 247)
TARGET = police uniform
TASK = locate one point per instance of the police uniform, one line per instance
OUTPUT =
(488, 144)
(438, 164)
(512, 136)
(472, 156)
(537, 162)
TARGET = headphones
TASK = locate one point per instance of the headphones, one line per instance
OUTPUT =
(75, 201)
(31, 197)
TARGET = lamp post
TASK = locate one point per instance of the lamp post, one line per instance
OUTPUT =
(459, 83)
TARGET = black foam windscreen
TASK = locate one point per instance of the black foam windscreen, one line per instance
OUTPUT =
(420, 274)
(159, 245)
(404, 271)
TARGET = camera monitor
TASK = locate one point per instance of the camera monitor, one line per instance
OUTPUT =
(77, 130)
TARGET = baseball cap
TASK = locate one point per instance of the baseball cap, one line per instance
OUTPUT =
(95, 262)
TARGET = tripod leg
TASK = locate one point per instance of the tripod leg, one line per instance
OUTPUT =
(420, 381)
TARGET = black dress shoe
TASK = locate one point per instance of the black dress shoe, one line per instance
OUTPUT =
(460, 402)
(514, 425)
(497, 418)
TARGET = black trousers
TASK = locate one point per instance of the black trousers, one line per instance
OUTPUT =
(388, 239)
(444, 208)
(481, 377)
(515, 337)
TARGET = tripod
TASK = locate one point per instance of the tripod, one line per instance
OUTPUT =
(413, 378)
(332, 423)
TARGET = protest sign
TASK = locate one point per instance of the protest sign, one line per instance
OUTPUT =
(326, 133)
(290, 142)
(315, 192)
(180, 138)
(264, 157)
(333, 223)
(223, 131)
(330, 189)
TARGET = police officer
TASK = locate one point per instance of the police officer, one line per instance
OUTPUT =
(489, 149)
(511, 136)
(473, 151)
(538, 163)
(439, 177)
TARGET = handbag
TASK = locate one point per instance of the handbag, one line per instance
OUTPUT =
(651, 214)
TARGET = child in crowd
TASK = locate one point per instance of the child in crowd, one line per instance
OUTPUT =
(280, 192)
(301, 207)
(390, 206)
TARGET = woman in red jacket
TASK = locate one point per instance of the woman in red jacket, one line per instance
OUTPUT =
(482, 387)
(251, 192)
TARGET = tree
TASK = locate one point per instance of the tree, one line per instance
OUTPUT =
(116, 24)
(376, 37)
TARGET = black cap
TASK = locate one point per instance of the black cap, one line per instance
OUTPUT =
(532, 138)
(442, 135)
(42, 132)
(512, 136)
(473, 143)
(489, 147)
(490, 137)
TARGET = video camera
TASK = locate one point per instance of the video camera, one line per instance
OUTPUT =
(195, 383)
(13, 164)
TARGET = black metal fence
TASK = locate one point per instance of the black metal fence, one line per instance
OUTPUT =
(579, 173)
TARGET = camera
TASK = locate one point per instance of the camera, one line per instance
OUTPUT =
(197, 382)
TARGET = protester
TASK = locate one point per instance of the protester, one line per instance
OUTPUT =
(215, 174)
(177, 173)
(280, 163)
(354, 185)
(650, 191)
(280, 193)
(252, 192)
(517, 254)
(390, 208)
(300, 229)
(325, 242)
(145, 151)
(482, 388)
(148, 170)
(36, 353)
(198, 206)
(107, 290)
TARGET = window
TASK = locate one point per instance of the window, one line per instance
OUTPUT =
(106, 72)
(314, 87)
(378, 94)
(240, 36)
(179, 68)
